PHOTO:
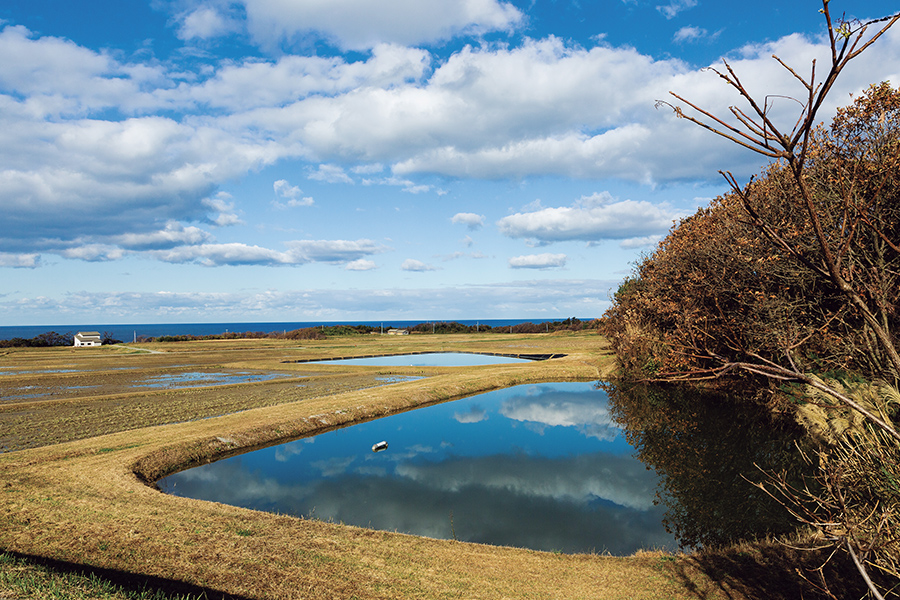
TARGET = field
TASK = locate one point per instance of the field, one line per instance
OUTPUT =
(85, 436)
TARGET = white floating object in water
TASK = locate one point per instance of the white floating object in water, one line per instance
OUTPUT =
(379, 447)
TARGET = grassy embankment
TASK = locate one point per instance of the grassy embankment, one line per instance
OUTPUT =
(73, 483)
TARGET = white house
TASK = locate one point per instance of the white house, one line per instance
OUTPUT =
(88, 338)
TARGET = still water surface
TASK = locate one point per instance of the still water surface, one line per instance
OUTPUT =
(428, 359)
(537, 466)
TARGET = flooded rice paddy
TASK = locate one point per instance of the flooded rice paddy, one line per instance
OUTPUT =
(35, 384)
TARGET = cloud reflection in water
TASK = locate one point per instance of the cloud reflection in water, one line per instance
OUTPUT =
(545, 405)
(574, 487)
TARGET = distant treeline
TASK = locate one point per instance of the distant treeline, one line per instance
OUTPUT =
(570, 324)
(318, 333)
(51, 338)
(328, 331)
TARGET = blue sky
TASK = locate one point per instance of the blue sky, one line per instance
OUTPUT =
(342, 160)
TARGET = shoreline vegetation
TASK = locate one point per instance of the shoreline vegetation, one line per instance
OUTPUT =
(78, 499)
(786, 288)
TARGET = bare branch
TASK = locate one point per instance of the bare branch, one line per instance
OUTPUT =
(748, 141)
(807, 85)
(862, 571)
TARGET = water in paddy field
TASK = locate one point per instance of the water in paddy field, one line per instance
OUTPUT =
(539, 466)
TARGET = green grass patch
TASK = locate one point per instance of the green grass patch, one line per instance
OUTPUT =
(23, 578)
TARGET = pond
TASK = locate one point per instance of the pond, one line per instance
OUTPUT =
(538, 466)
(428, 359)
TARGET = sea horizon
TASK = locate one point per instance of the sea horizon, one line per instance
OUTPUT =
(131, 331)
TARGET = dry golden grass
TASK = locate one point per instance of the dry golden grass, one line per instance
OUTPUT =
(88, 502)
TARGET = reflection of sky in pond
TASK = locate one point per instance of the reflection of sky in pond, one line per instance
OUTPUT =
(197, 378)
(538, 466)
(430, 359)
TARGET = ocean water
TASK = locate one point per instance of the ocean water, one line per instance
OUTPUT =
(129, 332)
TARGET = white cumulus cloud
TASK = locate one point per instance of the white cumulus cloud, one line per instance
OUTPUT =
(671, 10)
(206, 22)
(174, 234)
(299, 252)
(334, 251)
(360, 24)
(101, 152)
(292, 193)
(591, 219)
(538, 261)
(690, 34)
(330, 174)
(471, 220)
(411, 264)
(362, 264)
(19, 261)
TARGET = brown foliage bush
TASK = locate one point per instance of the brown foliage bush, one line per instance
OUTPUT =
(718, 290)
